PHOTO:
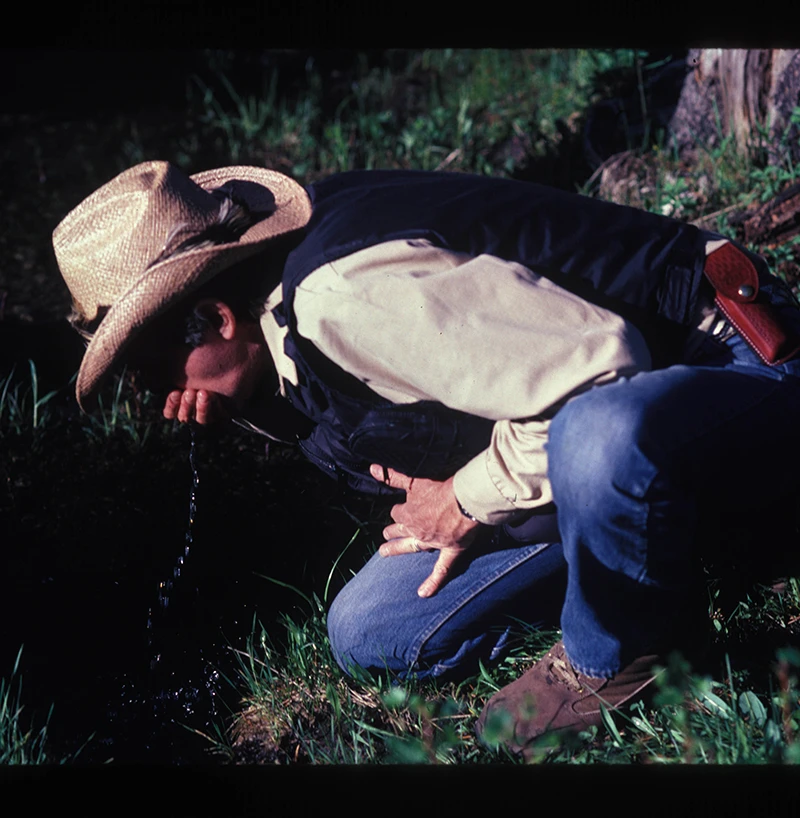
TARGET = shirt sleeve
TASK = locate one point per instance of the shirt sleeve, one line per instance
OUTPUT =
(477, 333)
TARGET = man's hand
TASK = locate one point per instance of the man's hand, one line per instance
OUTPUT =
(428, 520)
(194, 404)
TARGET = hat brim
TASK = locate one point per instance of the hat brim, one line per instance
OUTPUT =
(165, 284)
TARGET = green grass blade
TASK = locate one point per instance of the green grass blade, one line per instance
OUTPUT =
(335, 563)
(6, 385)
(608, 722)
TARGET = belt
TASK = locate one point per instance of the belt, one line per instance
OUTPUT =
(735, 281)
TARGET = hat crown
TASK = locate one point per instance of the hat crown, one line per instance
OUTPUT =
(108, 241)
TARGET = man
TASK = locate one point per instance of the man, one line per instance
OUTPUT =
(488, 351)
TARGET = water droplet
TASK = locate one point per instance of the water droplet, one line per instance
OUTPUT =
(165, 586)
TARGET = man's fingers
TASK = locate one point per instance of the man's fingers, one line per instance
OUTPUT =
(180, 404)
(192, 404)
(395, 531)
(441, 570)
(201, 414)
(390, 477)
(188, 401)
(438, 577)
(402, 545)
(172, 404)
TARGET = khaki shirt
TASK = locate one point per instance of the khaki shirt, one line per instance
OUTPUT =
(476, 333)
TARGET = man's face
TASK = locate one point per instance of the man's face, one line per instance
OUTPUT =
(229, 362)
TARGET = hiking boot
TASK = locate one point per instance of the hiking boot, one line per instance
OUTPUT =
(552, 697)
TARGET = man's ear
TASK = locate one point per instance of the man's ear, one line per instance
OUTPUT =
(219, 315)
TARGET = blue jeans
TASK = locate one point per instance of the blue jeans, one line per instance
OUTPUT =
(634, 465)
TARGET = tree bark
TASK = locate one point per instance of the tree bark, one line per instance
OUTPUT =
(775, 222)
(742, 93)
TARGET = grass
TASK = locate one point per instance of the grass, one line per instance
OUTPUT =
(299, 707)
(22, 408)
(19, 745)
(446, 109)
(123, 410)
(723, 181)
(21, 742)
(487, 111)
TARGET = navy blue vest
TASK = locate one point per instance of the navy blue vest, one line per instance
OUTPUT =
(643, 266)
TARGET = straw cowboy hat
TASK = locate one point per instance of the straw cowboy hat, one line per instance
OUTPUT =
(106, 247)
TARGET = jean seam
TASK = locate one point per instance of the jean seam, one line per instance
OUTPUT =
(467, 596)
(593, 673)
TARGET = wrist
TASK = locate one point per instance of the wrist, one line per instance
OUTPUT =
(465, 513)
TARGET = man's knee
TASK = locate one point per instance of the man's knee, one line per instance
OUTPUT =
(349, 621)
(365, 632)
(599, 442)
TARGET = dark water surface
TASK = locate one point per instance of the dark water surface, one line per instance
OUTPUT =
(128, 612)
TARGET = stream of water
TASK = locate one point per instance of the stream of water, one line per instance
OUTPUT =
(182, 685)
(165, 586)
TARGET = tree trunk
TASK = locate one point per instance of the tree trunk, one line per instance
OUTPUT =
(739, 92)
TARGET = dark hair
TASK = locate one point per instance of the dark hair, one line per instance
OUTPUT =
(244, 287)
